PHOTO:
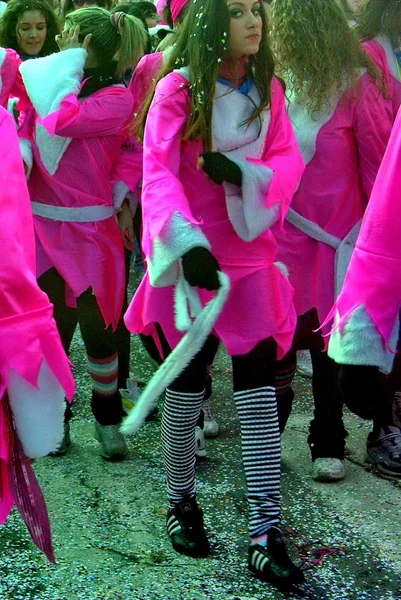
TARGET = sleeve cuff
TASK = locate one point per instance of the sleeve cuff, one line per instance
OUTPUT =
(178, 237)
(49, 80)
(358, 342)
(246, 206)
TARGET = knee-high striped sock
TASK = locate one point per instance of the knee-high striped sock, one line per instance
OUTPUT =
(180, 414)
(104, 374)
(257, 411)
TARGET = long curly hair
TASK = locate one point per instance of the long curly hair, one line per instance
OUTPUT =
(380, 16)
(9, 21)
(316, 52)
(203, 44)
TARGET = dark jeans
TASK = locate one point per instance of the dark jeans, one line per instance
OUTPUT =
(99, 342)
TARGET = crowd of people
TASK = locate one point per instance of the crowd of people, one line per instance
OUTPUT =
(246, 154)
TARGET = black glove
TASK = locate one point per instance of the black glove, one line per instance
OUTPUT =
(362, 388)
(220, 168)
(201, 269)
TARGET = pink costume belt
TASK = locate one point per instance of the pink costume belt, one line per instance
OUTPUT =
(79, 214)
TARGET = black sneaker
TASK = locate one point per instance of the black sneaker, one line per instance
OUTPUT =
(384, 451)
(186, 531)
(272, 563)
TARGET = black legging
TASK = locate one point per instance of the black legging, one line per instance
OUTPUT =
(99, 342)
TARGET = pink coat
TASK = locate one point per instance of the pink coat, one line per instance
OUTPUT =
(176, 194)
(343, 149)
(72, 170)
(28, 333)
(11, 85)
(381, 51)
(369, 304)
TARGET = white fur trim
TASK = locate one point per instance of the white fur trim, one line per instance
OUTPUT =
(358, 342)
(3, 6)
(178, 237)
(2, 59)
(48, 81)
(26, 153)
(38, 412)
(306, 126)
(246, 205)
(387, 46)
(179, 358)
(120, 191)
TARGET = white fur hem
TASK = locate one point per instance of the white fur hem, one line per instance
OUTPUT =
(358, 342)
(38, 412)
(246, 206)
(178, 237)
(26, 153)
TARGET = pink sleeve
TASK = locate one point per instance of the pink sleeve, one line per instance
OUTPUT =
(372, 127)
(163, 193)
(104, 113)
(143, 77)
(28, 333)
(281, 154)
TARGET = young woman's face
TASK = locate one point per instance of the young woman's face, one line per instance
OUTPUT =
(245, 27)
(31, 32)
(152, 20)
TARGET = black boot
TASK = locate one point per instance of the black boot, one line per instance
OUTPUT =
(272, 563)
(186, 530)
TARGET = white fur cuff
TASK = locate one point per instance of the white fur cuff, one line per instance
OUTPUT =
(246, 207)
(178, 237)
(358, 342)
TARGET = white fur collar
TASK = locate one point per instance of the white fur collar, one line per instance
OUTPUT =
(391, 58)
(231, 109)
(49, 81)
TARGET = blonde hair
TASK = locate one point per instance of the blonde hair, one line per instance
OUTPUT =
(120, 37)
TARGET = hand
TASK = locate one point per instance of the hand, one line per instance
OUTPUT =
(69, 38)
(219, 168)
(362, 388)
(201, 269)
(126, 224)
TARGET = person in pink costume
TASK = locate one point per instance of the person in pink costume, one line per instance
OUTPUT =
(366, 312)
(379, 28)
(34, 370)
(342, 122)
(220, 167)
(76, 129)
(9, 74)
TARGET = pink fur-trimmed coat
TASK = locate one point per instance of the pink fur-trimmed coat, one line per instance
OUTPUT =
(342, 148)
(183, 209)
(34, 369)
(75, 144)
(367, 310)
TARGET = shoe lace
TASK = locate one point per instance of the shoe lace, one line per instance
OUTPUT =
(392, 443)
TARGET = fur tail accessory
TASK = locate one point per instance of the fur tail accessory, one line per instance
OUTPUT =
(178, 360)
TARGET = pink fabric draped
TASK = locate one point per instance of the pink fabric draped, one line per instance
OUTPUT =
(173, 183)
(334, 191)
(378, 55)
(28, 333)
(11, 84)
(176, 7)
(85, 254)
(374, 275)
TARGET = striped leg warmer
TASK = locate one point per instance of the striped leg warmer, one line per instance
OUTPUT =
(104, 374)
(257, 411)
(180, 415)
